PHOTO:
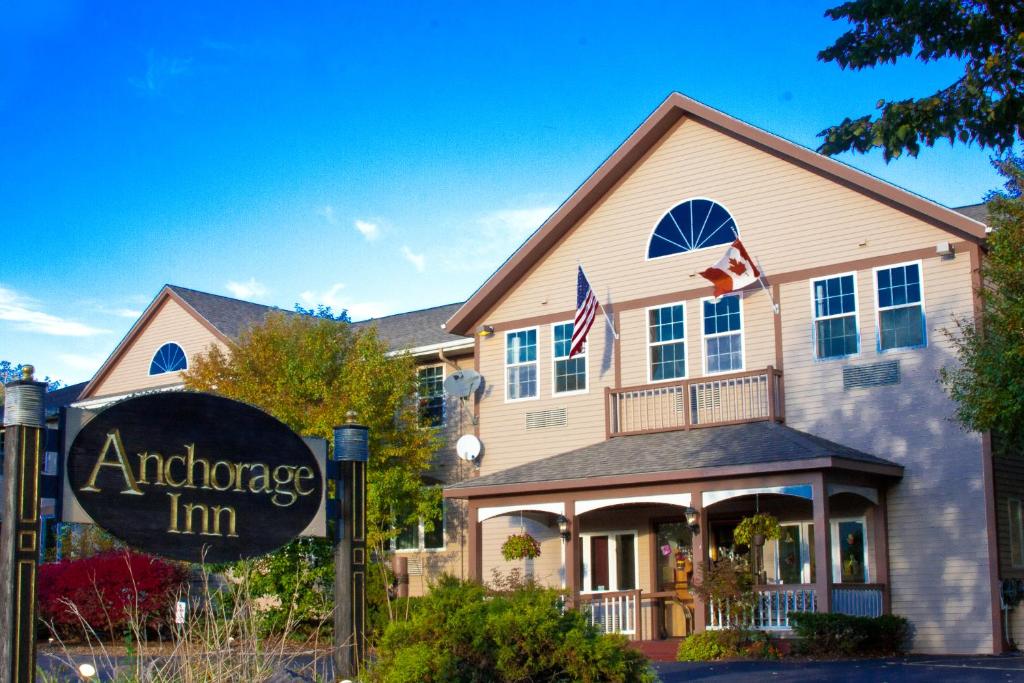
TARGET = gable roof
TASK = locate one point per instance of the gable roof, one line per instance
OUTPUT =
(644, 138)
(978, 212)
(751, 444)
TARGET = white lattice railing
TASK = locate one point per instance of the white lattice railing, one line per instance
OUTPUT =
(613, 611)
(864, 600)
(771, 610)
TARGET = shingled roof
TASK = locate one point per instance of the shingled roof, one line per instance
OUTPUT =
(978, 212)
(756, 443)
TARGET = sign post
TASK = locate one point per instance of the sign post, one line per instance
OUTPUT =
(24, 444)
(351, 453)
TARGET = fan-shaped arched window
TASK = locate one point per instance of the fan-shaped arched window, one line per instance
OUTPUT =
(168, 358)
(694, 224)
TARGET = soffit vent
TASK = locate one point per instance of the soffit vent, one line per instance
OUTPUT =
(540, 419)
(873, 375)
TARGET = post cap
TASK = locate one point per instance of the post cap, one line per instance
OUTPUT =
(351, 417)
(28, 372)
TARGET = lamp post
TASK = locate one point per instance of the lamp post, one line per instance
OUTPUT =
(351, 453)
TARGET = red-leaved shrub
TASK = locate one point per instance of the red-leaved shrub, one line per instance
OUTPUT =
(111, 591)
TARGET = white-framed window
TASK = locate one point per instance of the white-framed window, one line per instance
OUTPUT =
(850, 551)
(794, 553)
(609, 561)
(723, 334)
(666, 342)
(569, 375)
(1016, 524)
(416, 537)
(836, 333)
(899, 296)
(168, 358)
(521, 365)
(430, 394)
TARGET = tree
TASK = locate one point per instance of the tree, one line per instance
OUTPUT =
(322, 311)
(9, 372)
(988, 382)
(984, 106)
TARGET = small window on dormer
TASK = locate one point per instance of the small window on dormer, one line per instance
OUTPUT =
(168, 358)
(694, 224)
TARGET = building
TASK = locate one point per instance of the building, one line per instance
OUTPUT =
(644, 453)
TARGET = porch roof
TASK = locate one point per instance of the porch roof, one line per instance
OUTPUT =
(696, 454)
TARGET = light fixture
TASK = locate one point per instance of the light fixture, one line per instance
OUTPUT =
(944, 250)
(485, 330)
(563, 527)
(86, 671)
(692, 520)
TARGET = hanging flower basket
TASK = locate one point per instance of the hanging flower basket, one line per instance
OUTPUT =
(521, 546)
(757, 529)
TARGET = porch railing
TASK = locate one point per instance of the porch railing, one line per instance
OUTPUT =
(859, 600)
(613, 611)
(687, 404)
(771, 610)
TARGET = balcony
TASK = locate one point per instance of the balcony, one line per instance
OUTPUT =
(753, 396)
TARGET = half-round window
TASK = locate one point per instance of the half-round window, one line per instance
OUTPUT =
(168, 358)
(694, 224)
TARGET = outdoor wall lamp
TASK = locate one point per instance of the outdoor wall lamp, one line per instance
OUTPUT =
(563, 527)
(692, 520)
(485, 330)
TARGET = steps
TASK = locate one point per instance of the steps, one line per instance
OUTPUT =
(657, 650)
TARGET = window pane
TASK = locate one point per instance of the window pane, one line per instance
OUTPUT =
(563, 339)
(851, 552)
(522, 381)
(902, 327)
(834, 296)
(666, 324)
(668, 361)
(435, 539)
(408, 539)
(899, 286)
(790, 566)
(431, 396)
(570, 374)
(723, 316)
(625, 562)
(837, 337)
(725, 353)
(521, 347)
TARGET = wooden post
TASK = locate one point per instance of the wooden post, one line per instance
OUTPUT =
(822, 544)
(19, 526)
(473, 543)
(572, 561)
(351, 452)
(701, 558)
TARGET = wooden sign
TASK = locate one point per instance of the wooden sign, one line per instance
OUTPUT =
(194, 477)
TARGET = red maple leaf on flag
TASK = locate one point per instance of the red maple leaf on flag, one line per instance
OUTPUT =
(737, 267)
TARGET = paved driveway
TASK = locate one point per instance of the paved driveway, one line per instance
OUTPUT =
(914, 669)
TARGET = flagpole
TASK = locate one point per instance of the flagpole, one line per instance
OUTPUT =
(760, 279)
(600, 305)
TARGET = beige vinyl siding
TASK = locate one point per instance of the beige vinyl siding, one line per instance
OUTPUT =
(545, 569)
(170, 323)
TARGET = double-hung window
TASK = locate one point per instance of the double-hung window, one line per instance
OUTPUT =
(835, 317)
(900, 310)
(723, 335)
(667, 342)
(570, 373)
(521, 364)
(431, 395)
(415, 536)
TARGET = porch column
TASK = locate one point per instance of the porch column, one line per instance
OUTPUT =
(700, 559)
(572, 563)
(880, 536)
(822, 543)
(474, 547)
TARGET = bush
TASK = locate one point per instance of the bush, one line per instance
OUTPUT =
(462, 632)
(831, 635)
(109, 592)
(730, 643)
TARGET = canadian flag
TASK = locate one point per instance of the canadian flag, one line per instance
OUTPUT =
(734, 271)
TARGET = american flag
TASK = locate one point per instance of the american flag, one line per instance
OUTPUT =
(586, 311)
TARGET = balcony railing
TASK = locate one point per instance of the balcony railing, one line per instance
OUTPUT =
(771, 610)
(752, 396)
(859, 600)
(613, 611)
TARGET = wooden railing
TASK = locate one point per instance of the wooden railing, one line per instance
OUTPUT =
(771, 610)
(613, 611)
(859, 600)
(752, 396)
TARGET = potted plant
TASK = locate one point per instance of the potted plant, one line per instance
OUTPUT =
(755, 530)
(521, 546)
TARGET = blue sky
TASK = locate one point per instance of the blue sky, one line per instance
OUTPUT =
(377, 156)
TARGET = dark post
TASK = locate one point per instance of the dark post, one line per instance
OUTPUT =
(351, 452)
(19, 526)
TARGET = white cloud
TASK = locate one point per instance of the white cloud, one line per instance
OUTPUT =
(514, 224)
(24, 314)
(370, 231)
(125, 312)
(327, 213)
(159, 72)
(419, 261)
(85, 362)
(334, 298)
(482, 245)
(247, 290)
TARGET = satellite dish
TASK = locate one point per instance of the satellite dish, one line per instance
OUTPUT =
(468, 447)
(462, 383)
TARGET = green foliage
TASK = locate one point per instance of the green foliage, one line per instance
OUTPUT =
(461, 632)
(988, 381)
(520, 546)
(839, 635)
(10, 372)
(730, 585)
(730, 643)
(984, 106)
(322, 311)
(761, 523)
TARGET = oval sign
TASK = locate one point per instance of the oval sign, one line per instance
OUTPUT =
(192, 476)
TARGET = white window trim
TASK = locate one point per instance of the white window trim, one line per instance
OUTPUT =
(878, 308)
(1019, 541)
(613, 570)
(650, 234)
(157, 350)
(555, 359)
(704, 337)
(444, 396)
(837, 567)
(815, 318)
(504, 351)
(805, 552)
(650, 345)
(421, 537)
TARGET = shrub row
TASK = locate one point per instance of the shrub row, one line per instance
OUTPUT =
(832, 635)
(726, 644)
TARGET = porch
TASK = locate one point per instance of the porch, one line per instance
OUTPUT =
(629, 545)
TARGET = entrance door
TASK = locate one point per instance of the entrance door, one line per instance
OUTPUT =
(609, 561)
